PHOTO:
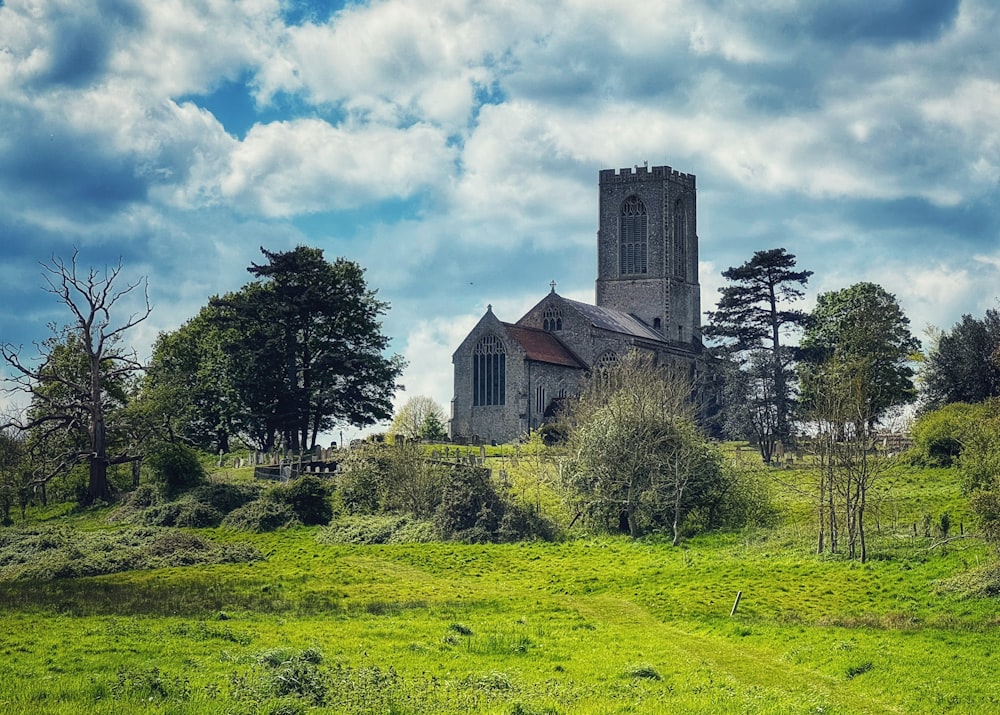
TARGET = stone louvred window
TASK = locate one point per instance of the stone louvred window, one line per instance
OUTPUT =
(632, 238)
(680, 239)
(489, 372)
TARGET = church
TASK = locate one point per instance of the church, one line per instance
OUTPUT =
(510, 377)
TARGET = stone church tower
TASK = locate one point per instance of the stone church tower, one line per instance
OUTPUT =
(511, 378)
(647, 249)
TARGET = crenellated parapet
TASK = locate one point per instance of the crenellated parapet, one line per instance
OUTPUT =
(643, 173)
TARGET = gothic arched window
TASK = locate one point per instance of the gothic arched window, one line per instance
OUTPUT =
(489, 372)
(552, 319)
(607, 361)
(680, 239)
(632, 237)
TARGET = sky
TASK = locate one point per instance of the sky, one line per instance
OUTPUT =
(452, 148)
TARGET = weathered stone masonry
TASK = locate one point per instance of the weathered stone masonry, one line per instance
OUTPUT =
(647, 298)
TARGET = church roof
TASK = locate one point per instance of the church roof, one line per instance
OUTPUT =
(615, 321)
(542, 346)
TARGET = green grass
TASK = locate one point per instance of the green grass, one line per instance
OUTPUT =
(589, 625)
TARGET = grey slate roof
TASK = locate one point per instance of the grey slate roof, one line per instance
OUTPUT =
(616, 322)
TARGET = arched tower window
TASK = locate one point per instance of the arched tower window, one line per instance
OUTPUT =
(489, 372)
(632, 237)
(552, 319)
(680, 239)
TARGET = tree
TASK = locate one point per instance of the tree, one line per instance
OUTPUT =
(850, 460)
(752, 408)
(637, 455)
(13, 473)
(865, 331)
(418, 416)
(855, 370)
(71, 385)
(964, 364)
(752, 316)
(289, 356)
(188, 394)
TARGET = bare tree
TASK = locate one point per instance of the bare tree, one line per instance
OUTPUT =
(69, 384)
(850, 461)
(636, 454)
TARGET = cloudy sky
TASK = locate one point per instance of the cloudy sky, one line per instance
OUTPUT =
(452, 147)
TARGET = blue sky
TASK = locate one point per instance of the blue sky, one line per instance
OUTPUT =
(452, 148)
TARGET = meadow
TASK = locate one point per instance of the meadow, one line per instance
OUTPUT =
(588, 624)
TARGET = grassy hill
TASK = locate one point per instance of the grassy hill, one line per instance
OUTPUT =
(586, 625)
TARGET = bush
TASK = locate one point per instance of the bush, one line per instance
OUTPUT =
(378, 529)
(63, 552)
(226, 496)
(937, 435)
(518, 524)
(361, 480)
(262, 515)
(308, 497)
(470, 509)
(175, 466)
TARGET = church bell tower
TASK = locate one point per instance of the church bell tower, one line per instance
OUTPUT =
(647, 250)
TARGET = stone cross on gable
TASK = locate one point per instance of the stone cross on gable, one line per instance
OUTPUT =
(552, 285)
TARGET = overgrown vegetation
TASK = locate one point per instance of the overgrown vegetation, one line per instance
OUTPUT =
(50, 552)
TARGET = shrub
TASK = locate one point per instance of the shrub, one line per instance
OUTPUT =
(175, 466)
(937, 435)
(518, 523)
(308, 497)
(262, 515)
(226, 496)
(470, 507)
(361, 479)
(378, 529)
(63, 552)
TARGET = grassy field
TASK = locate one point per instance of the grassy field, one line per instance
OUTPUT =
(587, 625)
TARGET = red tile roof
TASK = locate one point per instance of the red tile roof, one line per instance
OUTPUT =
(541, 346)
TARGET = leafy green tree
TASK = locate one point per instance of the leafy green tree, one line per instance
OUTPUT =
(964, 365)
(863, 328)
(979, 464)
(188, 393)
(751, 319)
(418, 415)
(433, 428)
(288, 356)
(330, 347)
(81, 371)
(14, 472)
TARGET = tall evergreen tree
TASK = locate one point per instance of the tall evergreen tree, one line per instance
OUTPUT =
(753, 315)
(964, 365)
(288, 356)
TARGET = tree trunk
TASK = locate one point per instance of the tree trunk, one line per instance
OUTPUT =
(99, 488)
